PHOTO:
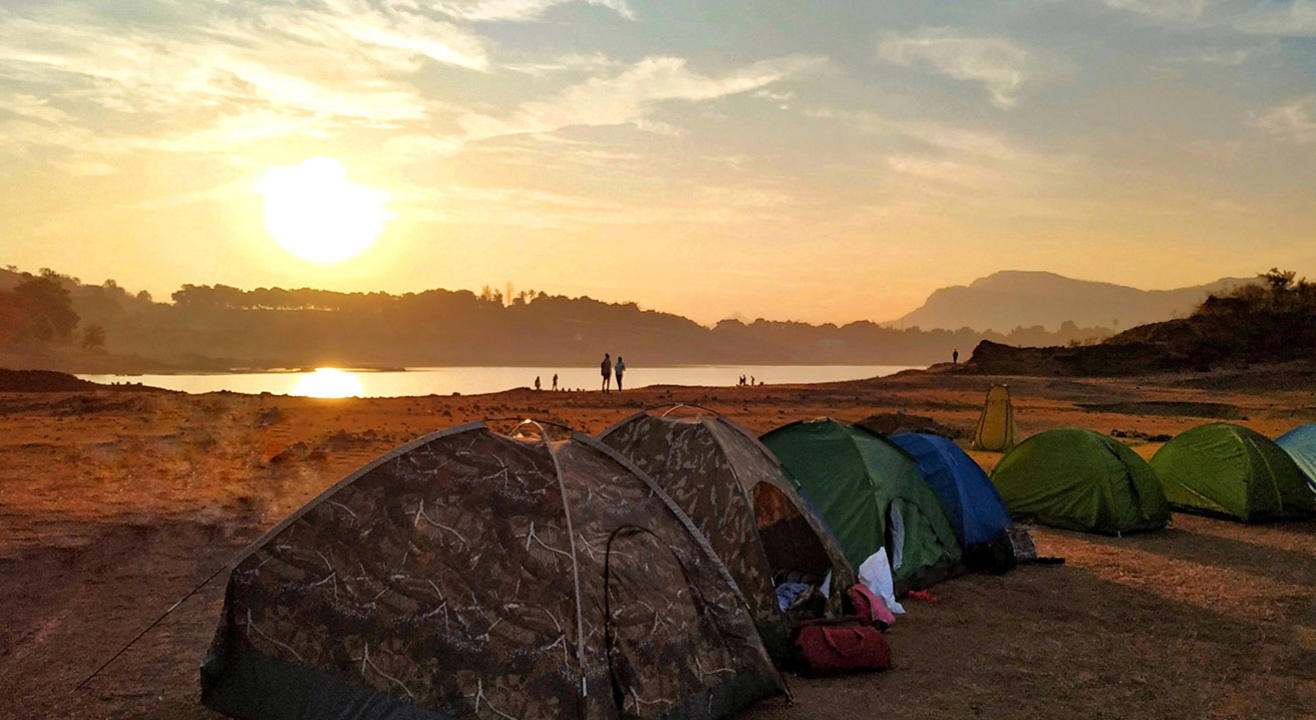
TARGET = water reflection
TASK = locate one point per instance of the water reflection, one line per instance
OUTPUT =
(417, 382)
(328, 383)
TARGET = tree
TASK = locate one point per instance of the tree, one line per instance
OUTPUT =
(47, 305)
(1279, 280)
(93, 338)
(13, 320)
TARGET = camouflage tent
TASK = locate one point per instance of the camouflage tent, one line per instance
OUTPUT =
(473, 574)
(734, 490)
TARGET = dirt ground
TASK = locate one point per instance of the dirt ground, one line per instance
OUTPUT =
(113, 505)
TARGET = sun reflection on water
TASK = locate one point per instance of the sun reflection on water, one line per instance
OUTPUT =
(328, 383)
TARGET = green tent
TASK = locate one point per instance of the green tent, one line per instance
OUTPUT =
(1080, 480)
(1229, 470)
(862, 484)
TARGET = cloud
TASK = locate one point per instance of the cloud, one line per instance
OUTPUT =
(1229, 57)
(628, 97)
(517, 10)
(252, 72)
(31, 107)
(943, 171)
(1295, 18)
(1294, 122)
(570, 62)
(997, 63)
(1169, 10)
(937, 136)
(393, 34)
(936, 165)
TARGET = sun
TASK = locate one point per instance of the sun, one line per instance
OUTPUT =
(328, 383)
(314, 212)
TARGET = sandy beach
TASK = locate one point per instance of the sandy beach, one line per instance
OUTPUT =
(115, 504)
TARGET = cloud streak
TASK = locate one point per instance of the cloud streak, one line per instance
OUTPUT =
(628, 97)
(996, 63)
(1294, 18)
(518, 10)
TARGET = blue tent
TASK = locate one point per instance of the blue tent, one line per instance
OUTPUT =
(1300, 444)
(974, 507)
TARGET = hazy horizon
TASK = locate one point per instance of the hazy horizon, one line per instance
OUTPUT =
(746, 317)
(816, 162)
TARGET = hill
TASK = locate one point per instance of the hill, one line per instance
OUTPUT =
(1014, 298)
(1270, 322)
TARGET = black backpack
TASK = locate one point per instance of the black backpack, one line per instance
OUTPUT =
(995, 557)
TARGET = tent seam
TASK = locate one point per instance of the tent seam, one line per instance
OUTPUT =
(575, 569)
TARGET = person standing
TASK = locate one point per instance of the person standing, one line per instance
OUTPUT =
(621, 368)
(606, 368)
(955, 357)
(554, 382)
(536, 382)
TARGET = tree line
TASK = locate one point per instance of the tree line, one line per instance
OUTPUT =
(209, 327)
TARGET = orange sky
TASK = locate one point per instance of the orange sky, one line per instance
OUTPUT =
(786, 160)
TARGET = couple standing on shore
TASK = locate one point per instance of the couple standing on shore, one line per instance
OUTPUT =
(608, 368)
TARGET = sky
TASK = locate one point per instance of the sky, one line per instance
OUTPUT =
(817, 161)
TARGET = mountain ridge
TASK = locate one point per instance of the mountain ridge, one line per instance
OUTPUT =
(1025, 298)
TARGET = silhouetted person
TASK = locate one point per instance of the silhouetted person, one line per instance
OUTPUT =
(606, 368)
(955, 357)
(536, 382)
(554, 382)
(621, 368)
(751, 381)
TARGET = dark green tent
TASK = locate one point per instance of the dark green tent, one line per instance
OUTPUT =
(1080, 480)
(1229, 470)
(860, 481)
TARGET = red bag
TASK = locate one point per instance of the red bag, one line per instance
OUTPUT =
(840, 646)
(868, 606)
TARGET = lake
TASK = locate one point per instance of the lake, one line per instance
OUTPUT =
(333, 382)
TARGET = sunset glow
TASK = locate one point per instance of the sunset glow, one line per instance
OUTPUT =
(823, 162)
(328, 383)
(317, 214)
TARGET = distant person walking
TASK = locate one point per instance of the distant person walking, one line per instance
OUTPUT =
(554, 382)
(606, 368)
(536, 382)
(621, 368)
(955, 357)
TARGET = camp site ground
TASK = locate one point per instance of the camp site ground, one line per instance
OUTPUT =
(115, 505)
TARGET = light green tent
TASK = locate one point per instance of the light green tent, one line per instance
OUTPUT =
(1229, 470)
(860, 483)
(1080, 480)
(996, 430)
